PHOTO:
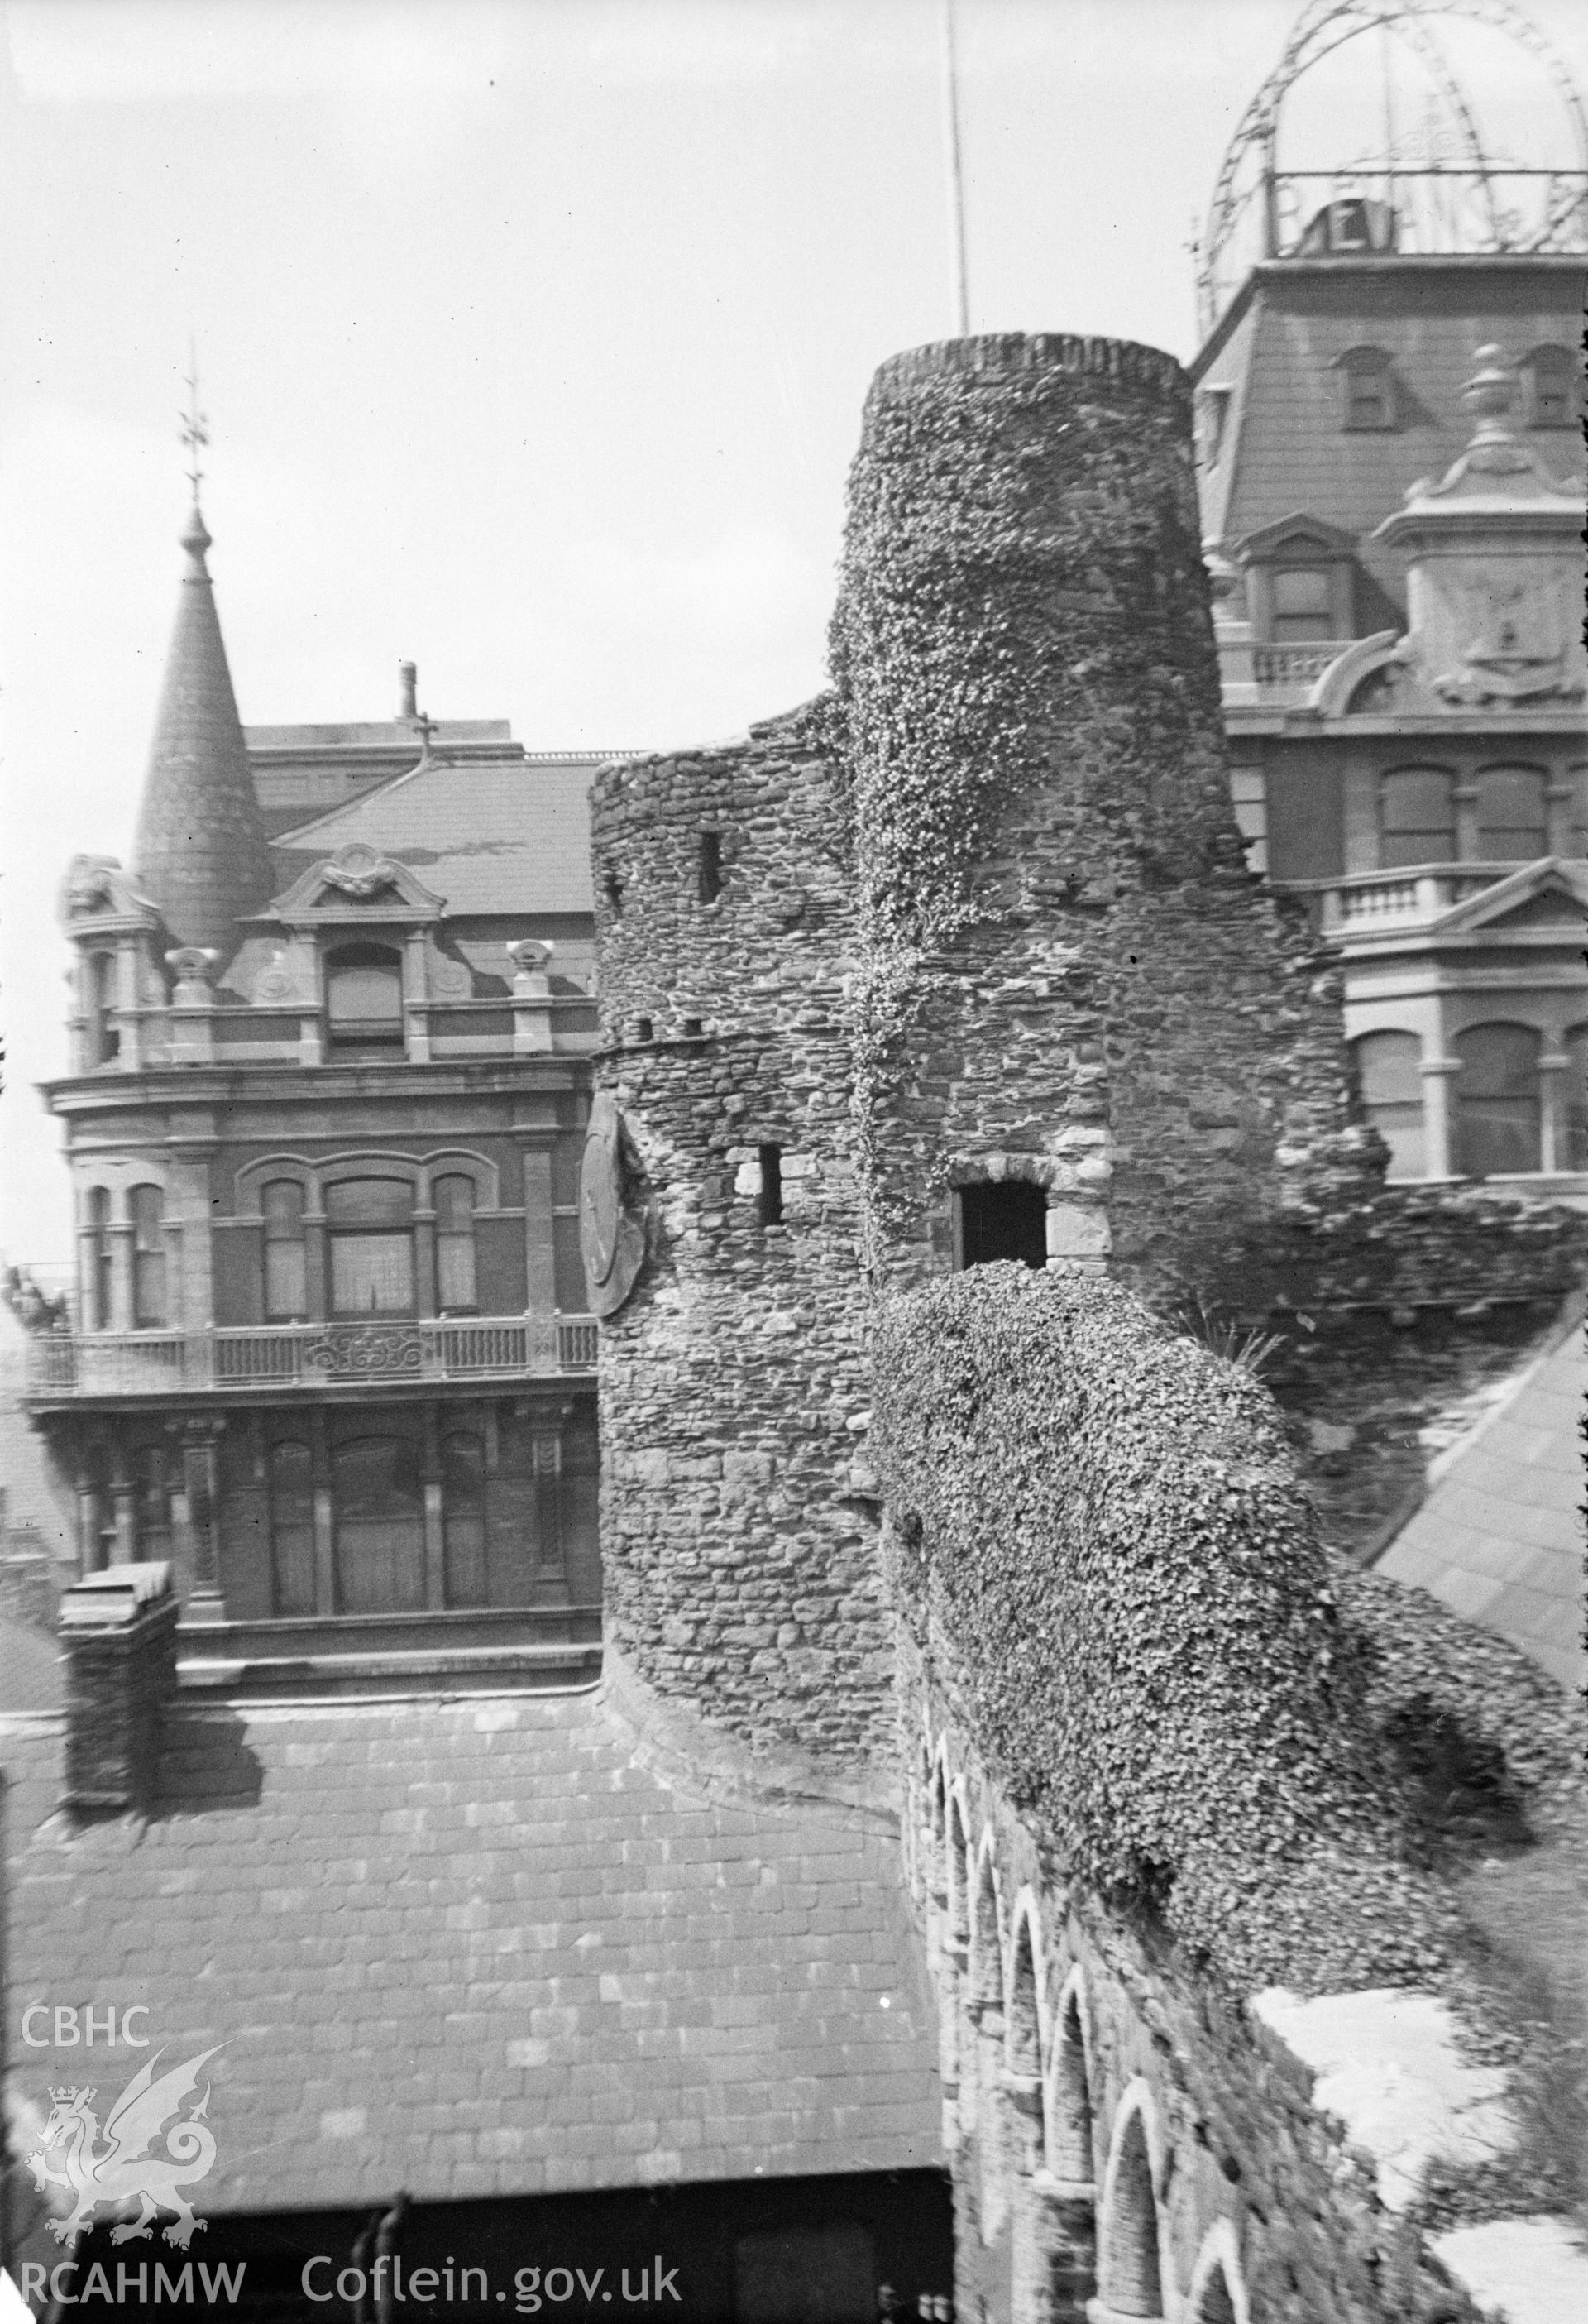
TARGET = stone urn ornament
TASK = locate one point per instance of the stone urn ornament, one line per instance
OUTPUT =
(611, 1224)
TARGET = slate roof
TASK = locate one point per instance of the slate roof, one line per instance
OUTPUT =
(472, 1949)
(199, 851)
(494, 836)
(1499, 1538)
(1285, 451)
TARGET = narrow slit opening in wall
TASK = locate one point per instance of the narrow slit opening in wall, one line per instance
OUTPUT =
(1008, 1219)
(613, 888)
(769, 1207)
(710, 869)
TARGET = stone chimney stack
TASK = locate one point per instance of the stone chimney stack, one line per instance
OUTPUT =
(119, 1629)
(409, 673)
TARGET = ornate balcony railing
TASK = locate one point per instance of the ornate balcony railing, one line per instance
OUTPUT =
(310, 1355)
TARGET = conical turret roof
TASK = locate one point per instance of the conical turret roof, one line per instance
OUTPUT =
(200, 853)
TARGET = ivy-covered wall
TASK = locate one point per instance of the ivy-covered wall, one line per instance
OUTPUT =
(740, 1568)
(1099, 1536)
(1066, 968)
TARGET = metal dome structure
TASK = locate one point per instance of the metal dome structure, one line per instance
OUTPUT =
(1446, 191)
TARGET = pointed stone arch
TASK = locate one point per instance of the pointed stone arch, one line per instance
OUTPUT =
(1025, 2031)
(1218, 2284)
(1133, 2271)
(1070, 2151)
(987, 1933)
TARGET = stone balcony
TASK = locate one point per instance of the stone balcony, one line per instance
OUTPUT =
(66, 1367)
(1280, 677)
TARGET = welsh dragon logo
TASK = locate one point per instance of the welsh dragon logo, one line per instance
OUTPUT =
(126, 2172)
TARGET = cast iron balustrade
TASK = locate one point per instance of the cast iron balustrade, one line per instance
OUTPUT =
(309, 1355)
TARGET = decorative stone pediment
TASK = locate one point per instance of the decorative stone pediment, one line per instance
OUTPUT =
(1548, 894)
(97, 895)
(357, 884)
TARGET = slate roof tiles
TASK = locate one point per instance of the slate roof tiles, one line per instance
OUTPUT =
(472, 1948)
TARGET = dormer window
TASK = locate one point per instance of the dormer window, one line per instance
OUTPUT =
(1214, 405)
(1367, 386)
(1553, 393)
(363, 1001)
(1300, 598)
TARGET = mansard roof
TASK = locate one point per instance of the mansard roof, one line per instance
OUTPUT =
(1282, 444)
(477, 1948)
(201, 851)
(494, 836)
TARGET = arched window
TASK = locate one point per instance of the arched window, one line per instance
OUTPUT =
(286, 1275)
(1214, 2305)
(1512, 822)
(292, 1528)
(379, 1526)
(148, 1208)
(1131, 2283)
(1574, 1108)
(1417, 811)
(153, 1502)
(1367, 378)
(369, 1224)
(1552, 387)
(363, 1001)
(1070, 2108)
(100, 1266)
(463, 1506)
(1497, 1101)
(104, 1039)
(1390, 1067)
(455, 1244)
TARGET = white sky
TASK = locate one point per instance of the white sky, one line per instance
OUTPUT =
(533, 336)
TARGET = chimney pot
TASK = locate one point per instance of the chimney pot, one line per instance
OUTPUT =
(409, 673)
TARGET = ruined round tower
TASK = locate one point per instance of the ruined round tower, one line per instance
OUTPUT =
(1079, 1018)
(960, 963)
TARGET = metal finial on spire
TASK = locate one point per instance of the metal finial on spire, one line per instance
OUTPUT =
(195, 430)
(959, 275)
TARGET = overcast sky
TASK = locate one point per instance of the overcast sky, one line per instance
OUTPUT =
(533, 336)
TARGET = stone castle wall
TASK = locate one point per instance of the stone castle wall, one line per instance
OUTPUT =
(740, 1565)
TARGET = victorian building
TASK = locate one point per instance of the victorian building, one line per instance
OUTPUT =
(331, 1353)
(1392, 497)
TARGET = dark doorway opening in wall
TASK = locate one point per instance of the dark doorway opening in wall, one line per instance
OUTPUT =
(1007, 1221)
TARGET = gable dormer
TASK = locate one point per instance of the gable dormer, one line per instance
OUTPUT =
(1299, 584)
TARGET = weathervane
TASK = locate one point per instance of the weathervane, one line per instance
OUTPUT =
(195, 434)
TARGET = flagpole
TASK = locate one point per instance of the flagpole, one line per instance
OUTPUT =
(961, 291)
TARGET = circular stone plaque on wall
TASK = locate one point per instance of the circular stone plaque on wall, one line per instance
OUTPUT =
(612, 1230)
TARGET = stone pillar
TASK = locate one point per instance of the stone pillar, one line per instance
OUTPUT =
(90, 1537)
(532, 1002)
(1437, 1074)
(551, 1577)
(325, 1517)
(540, 1271)
(427, 1291)
(130, 1055)
(1065, 2227)
(117, 1631)
(1468, 837)
(316, 1266)
(311, 1041)
(120, 1232)
(123, 1498)
(1554, 1066)
(435, 1516)
(415, 998)
(202, 1480)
